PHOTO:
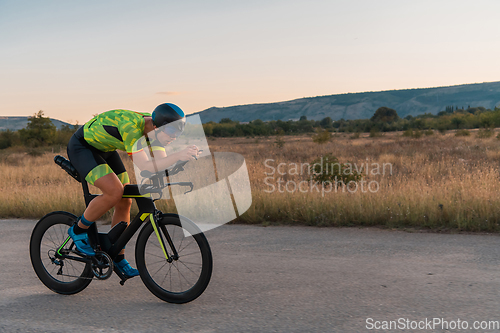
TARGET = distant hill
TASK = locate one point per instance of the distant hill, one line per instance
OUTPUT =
(363, 105)
(16, 123)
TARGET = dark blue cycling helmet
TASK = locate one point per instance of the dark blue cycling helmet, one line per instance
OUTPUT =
(168, 113)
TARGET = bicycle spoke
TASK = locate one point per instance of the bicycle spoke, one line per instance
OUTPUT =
(191, 263)
(188, 268)
(61, 231)
(70, 262)
(189, 254)
(185, 247)
(158, 256)
(50, 239)
(156, 262)
(173, 236)
(181, 275)
(166, 276)
(170, 277)
(160, 268)
(180, 245)
(154, 243)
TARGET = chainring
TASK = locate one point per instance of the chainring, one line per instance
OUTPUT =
(102, 265)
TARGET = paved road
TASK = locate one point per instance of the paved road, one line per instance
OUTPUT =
(274, 279)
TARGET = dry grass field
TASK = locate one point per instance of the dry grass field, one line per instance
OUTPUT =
(442, 182)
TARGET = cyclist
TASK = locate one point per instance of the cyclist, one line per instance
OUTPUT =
(92, 151)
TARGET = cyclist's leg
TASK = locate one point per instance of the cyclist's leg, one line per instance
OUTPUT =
(121, 212)
(112, 191)
(89, 164)
(122, 208)
(92, 166)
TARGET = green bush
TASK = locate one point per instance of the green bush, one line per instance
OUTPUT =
(484, 133)
(429, 132)
(35, 152)
(413, 134)
(408, 133)
(442, 129)
(327, 168)
(375, 133)
(8, 139)
(462, 132)
(321, 136)
(280, 143)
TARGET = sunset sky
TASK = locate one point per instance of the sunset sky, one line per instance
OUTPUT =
(74, 59)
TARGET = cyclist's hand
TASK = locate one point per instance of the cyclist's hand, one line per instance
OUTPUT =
(189, 153)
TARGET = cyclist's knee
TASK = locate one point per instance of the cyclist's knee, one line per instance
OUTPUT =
(115, 194)
(111, 188)
(125, 203)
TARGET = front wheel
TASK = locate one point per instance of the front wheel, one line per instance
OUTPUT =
(64, 276)
(184, 278)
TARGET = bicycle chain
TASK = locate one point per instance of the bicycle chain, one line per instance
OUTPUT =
(74, 276)
(80, 277)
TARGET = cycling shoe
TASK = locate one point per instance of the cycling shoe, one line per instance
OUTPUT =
(82, 242)
(125, 268)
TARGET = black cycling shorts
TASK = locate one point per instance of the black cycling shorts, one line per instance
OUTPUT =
(91, 163)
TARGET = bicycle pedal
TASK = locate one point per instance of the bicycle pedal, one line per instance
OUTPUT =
(120, 275)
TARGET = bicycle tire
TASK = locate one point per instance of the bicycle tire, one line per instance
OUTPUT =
(50, 233)
(195, 258)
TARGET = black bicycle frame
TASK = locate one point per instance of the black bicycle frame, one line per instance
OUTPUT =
(147, 209)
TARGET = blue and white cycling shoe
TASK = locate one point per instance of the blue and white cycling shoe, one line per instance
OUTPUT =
(125, 268)
(81, 241)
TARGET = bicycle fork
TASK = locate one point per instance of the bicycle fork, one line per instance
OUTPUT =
(157, 229)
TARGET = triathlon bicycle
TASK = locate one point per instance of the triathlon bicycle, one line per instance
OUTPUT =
(172, 254)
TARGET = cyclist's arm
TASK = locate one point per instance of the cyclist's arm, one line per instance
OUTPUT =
(161, 161)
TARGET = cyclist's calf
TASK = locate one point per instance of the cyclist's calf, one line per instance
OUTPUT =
(122, 208)
(124, 204)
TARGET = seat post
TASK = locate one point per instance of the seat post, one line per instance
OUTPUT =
(86, 193)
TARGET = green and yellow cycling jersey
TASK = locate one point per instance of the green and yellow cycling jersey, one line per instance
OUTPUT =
(116, 130)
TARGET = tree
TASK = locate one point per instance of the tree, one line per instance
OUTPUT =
(303, 118)
(457, 121)
(321, 136)
(39, 131)
(64, 134)
(208, 128)
(305, 126)
(326, 122)
(8, 138)
(257, 122)
(385, 114)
